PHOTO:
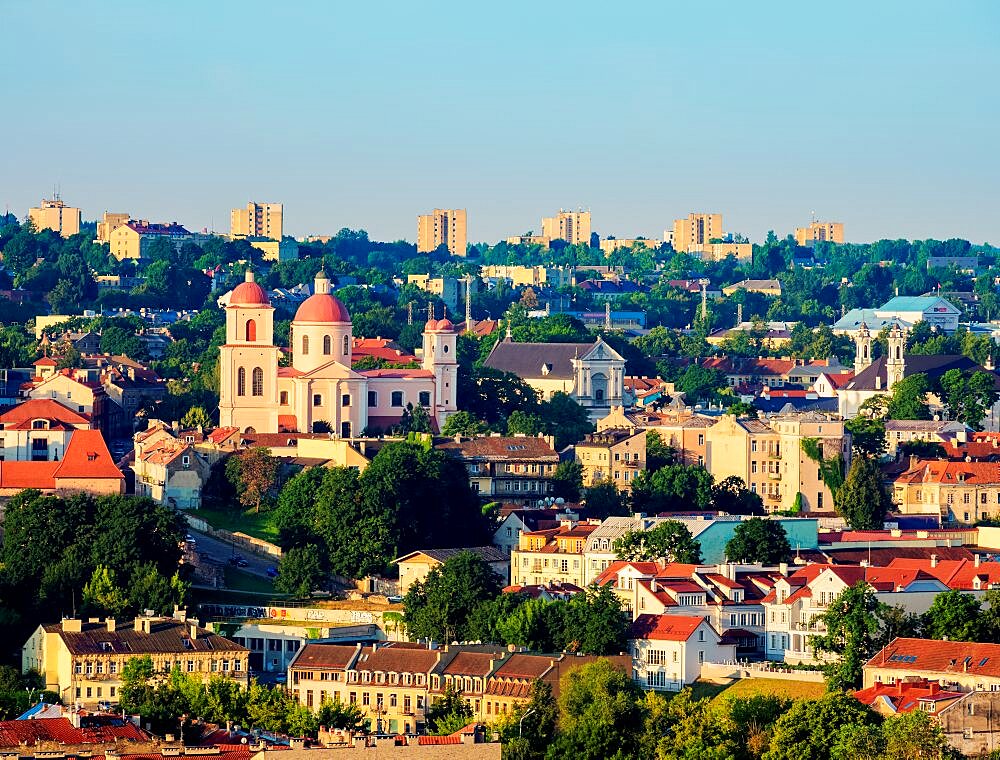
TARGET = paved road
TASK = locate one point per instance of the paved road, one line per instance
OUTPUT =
(223, 551)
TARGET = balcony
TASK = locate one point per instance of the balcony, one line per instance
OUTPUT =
(774, 476)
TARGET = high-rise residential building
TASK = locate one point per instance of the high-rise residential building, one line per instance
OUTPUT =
(693, 234)
(55, 215)
(830, 232)
(257, 220)
(108, 224)
(443, 226)
(571, 226)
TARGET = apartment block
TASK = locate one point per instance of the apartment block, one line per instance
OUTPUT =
(696, 231)
(610, 245)
(768, 457)
(257, 220)
(829, 232)
(55, 215)
(132, 239)
(615, 454)
(571, 226)
(108, 224)
(553, 554)
(447, 227)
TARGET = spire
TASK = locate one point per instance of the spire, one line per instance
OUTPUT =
(509, 336)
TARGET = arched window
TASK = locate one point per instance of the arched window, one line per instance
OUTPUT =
(898, 350)
(251, 331)
(257, 386)
(241, 381)
(305, 345)
(327, 345)
(347, 345)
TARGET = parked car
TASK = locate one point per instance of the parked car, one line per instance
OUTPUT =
(272, 572)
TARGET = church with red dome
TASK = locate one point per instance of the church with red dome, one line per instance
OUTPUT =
(321, 390)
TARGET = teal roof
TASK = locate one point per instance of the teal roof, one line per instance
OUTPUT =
(913, 303)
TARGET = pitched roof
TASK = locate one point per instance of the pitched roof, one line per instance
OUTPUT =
(665, 627)
(528, 359)
(485, 553)
(945, 472)
(322, 656)
(939, 657)
(14, 733)
(87, 457)
(933, 366)
(166, 635)
(904, 696)
(528, 666)
(395, 657)
(502, 448)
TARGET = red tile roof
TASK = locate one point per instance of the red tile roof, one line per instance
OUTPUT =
(905, 696)
(87, 456)
(939, 657)
(502, 448)
(665, 627)
(14, 733)
(323, 656)
(42, 408)
(951, 473)
(396, 373)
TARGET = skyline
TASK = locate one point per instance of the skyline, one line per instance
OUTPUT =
(873, 116)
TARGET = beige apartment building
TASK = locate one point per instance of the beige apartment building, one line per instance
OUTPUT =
(132, 239)
(83, 661)
(447, 227)
(108, 224)
(276, 250)
(257, 220)
(529, 240)
(55, 215)
(552, 555)
(617, 454)
(683, 431)
(830, 232)
(571, 226)
(696, 231)
(768, 456)
(610, 245)
(957, 492)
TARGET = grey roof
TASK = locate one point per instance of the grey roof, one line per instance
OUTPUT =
(930, 426)
(486, 553)
(915, 364)
(528, 359)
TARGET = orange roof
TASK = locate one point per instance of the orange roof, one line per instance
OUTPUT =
(39, 475)
(87, 456)
(951, 473)
(665, 627)
(904, 696)
(42, 408)
(939, 657)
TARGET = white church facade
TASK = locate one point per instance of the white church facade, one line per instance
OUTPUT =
(320, 390)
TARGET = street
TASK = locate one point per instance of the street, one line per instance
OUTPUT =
(223, 552)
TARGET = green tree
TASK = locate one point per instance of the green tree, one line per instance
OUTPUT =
(567, 481)
(759, 540)
(102, 594)
(658, 453)
(954, 615)
(524, 423)
(863, 500)
(600, 716)
(253, 473)
(672, 488)
(465, 424)
(867, 436)
(670, 541)
(532, 725)
(195, 417)
(810, 727)
(909, 399)
(300, 571)
(853, 623)
(603, 499)
(120, 342)
(448, 713)
(914, 736)
(731, 496)
(441, 605)
(564, 419)
(968, 396)
(415, 419)
(594, 622)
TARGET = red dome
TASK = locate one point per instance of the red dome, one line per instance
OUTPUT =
(249, 294)
(322, 307)
(445, 325)
(431, 325)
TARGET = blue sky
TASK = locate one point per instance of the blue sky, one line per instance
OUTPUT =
(883, 115)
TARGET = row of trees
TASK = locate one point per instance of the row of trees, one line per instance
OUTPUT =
(601, 713)
(123, 551)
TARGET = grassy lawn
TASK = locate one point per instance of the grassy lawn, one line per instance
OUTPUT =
(748, 687)
(259, 525)
(238, 580)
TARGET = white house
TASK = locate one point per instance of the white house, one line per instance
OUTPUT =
(669, 650)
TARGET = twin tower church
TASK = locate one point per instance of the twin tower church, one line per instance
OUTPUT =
(320, 390)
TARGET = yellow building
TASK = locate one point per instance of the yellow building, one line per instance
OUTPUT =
(520, 275)
(132, 239)
(108, 224)
(571, 226)
(719, 251)
(552, 555)
(257, 220)
(613, 454)
(696, 231)
(962, 492)
(529, 240)
(610, 245)
(55, 215)
(830, 232)
(768, 457)
(83, 661)
(276, 250)
(445, 227)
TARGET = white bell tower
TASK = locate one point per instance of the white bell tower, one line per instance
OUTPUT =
(440, 348)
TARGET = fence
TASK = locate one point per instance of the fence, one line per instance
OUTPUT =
(743, 669)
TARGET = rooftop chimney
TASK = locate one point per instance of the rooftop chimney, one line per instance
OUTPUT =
(933, 560)
(111, 624)
(193, 629)
(72, 625)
